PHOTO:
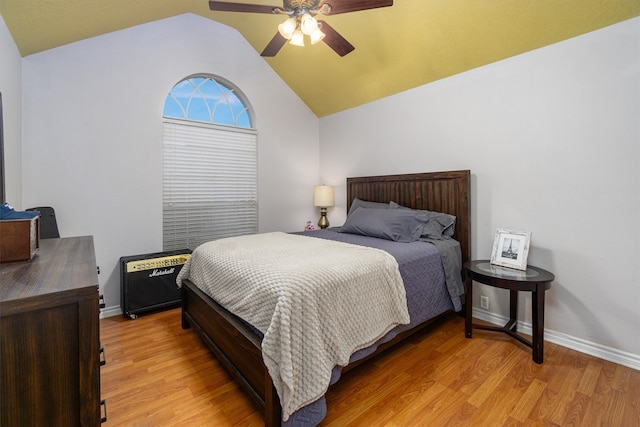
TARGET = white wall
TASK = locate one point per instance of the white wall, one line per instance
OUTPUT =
(552, 141)
(10, 87)
(93, 133)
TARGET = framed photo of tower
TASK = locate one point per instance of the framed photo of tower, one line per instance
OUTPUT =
(511, 248)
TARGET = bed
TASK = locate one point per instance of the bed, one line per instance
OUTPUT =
(238, 345)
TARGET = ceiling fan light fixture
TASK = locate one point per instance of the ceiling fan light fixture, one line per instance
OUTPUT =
(287, 28)
(297, 39)
(301, 20)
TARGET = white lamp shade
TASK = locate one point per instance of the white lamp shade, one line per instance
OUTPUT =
(323, 196)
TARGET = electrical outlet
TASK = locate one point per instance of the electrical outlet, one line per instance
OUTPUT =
(484, 302)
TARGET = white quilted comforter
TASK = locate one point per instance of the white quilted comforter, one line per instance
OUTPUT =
(316, 301)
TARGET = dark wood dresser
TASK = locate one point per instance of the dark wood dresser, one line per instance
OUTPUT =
(50, 337)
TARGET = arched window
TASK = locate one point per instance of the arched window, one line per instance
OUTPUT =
(205, 99)
(209, 163)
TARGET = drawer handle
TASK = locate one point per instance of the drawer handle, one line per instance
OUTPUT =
(103, 403)
(101, 301)
(103, 357)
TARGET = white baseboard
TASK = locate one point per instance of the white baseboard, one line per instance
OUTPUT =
(111, 311)
(620, 357)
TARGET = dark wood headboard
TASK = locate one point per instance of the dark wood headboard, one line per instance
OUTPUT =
(434, 191)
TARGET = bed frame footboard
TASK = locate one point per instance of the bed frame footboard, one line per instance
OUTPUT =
(235, 346)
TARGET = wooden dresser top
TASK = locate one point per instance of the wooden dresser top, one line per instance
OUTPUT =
(62, 268)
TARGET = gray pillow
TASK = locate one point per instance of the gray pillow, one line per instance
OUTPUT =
(439, 224)
(357, 203)
(399, 225)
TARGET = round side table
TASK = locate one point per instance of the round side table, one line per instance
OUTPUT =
(533, 279)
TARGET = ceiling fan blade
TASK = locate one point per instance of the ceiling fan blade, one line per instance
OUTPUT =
(345, 6)
(241, 7)
(335, 41)
(274, 45)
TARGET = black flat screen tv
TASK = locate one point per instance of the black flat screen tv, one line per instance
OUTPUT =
(2, 193)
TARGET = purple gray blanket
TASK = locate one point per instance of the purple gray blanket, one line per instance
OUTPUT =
(431, 274)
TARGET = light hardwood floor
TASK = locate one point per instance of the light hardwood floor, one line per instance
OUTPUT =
(158, 374)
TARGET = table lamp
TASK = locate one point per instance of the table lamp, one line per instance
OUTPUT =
(323, 198)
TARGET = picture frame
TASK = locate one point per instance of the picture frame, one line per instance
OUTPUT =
(511, 248)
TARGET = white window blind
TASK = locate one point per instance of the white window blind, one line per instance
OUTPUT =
(209, 183)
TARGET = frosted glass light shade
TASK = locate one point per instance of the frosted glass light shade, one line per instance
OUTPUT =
(323, 196)
(316, 36)
(287, 28)
(308, 24)
(297, 39)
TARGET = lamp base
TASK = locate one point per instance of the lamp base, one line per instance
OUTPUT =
(324, 222)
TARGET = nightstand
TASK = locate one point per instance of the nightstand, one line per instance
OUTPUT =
(533, 279)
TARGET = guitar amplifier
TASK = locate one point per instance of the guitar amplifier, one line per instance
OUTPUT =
(148, 282)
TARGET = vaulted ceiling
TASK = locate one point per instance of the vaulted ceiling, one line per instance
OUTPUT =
(410, 44)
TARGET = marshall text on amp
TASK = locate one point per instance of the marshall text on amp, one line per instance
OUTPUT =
(148, 282)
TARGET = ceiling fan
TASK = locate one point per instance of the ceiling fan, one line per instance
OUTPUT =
(301, 20)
